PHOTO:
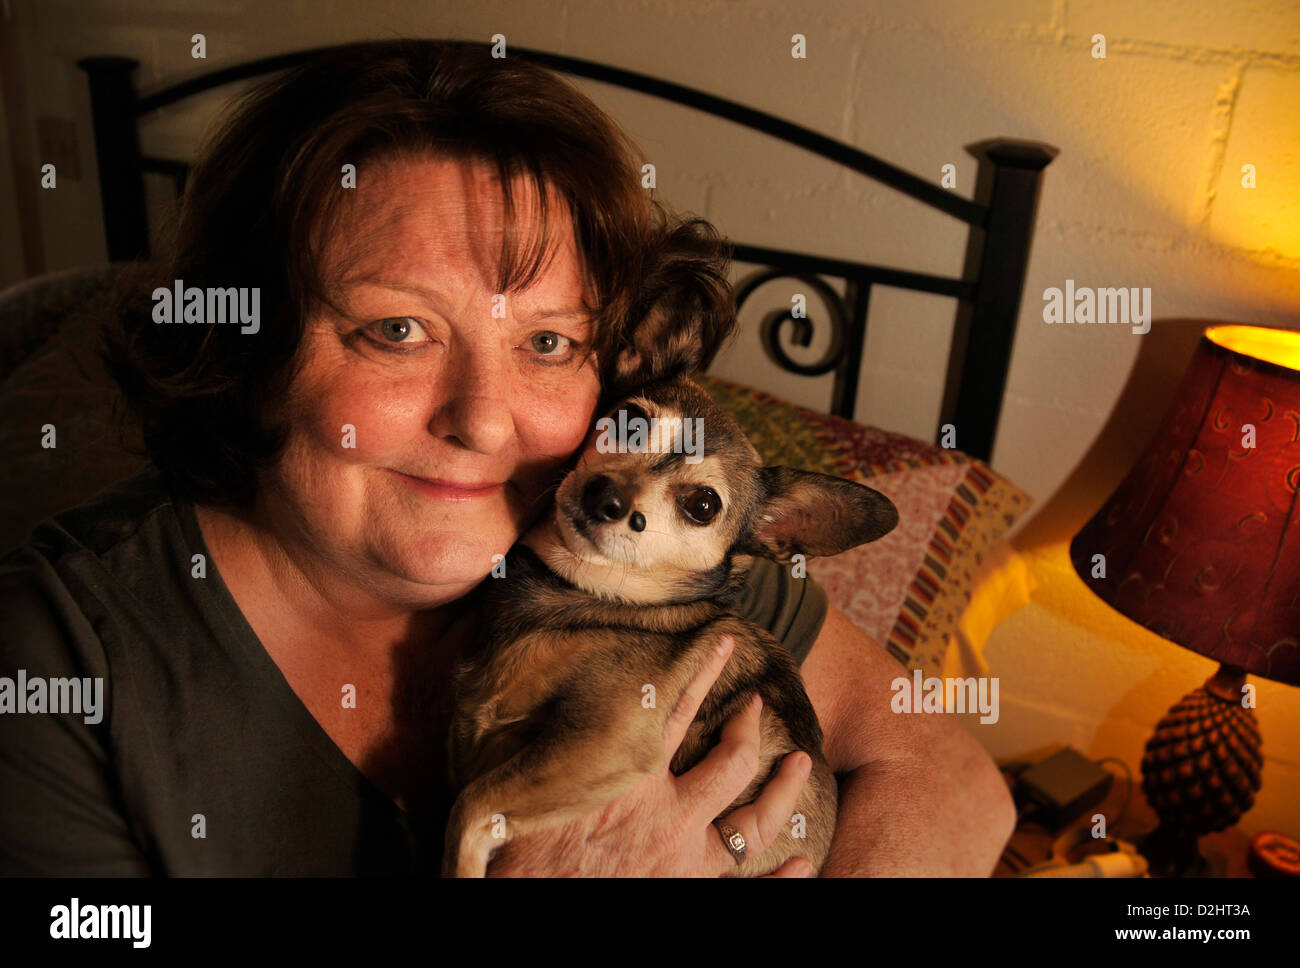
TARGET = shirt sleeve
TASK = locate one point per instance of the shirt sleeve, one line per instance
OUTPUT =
(792, 609)
(59, 809)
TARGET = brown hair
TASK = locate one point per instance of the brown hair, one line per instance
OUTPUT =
(265, 192)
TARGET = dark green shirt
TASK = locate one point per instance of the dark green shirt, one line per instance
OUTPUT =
(199, 729)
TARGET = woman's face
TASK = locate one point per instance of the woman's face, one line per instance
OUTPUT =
(430, 416)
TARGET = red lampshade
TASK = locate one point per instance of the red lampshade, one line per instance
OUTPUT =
(1201, 542)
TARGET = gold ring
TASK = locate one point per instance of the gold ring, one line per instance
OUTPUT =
(732, 838)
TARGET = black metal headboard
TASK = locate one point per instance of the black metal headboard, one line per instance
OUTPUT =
(988, 302)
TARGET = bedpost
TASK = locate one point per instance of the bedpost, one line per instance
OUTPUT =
(121, 182)
(1011, 171)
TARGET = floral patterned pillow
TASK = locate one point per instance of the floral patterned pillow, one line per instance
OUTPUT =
(908, 590)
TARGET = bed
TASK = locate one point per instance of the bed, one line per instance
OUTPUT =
(930, 592)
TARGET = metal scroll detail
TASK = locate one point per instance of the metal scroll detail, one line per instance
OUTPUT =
(801, 331)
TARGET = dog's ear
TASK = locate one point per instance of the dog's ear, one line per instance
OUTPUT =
(683, 312)
(816, 514)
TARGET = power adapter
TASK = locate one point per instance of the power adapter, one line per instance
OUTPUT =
(1062, 787)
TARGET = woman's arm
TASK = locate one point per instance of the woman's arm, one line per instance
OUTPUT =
(918, 795)
(59, 809)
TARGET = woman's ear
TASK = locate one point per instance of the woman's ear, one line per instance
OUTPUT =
(816, 514)
(684, 311)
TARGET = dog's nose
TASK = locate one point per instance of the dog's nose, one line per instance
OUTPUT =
(602, 500)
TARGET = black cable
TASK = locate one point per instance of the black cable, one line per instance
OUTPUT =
(1024, 863)
(1128, 793)
(1014, 770)
(1026, 811)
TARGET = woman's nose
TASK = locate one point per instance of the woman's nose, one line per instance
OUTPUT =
(475, 407)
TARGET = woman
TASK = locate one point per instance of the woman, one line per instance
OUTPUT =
(447, 251)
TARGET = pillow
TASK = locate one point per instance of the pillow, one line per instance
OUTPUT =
(931, 590)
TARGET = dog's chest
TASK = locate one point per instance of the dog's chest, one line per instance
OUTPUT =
(547, 649)
(502, 698)
(520, 677)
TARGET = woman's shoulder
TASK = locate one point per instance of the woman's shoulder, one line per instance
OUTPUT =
(115, 542)
(111, 517)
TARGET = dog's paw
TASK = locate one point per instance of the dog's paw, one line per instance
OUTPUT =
(467, 861)
(470, 867)
(464, 856)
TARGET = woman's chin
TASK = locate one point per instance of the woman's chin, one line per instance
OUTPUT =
(451, 560)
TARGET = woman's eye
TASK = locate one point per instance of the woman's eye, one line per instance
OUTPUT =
(550, 344)
(401, 329)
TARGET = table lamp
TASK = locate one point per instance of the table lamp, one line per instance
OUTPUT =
(1201, 545)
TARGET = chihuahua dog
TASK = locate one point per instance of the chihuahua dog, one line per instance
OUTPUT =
(609, 606)
(620, 595)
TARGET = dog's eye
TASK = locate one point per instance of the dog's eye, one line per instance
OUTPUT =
(631, 420)
(635, 412)
(700, 504)
(630, 425)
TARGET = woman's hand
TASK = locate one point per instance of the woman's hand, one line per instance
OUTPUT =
(663, 827)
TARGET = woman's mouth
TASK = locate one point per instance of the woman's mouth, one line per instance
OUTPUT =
(443, 489)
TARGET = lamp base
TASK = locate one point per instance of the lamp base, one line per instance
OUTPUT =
(1173, 852)
(1200, 772)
